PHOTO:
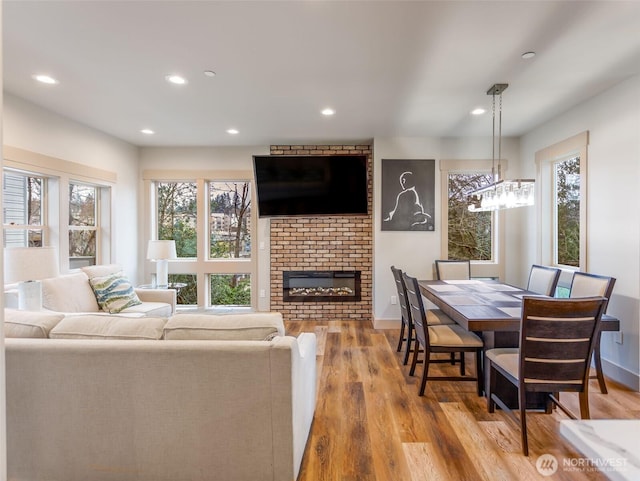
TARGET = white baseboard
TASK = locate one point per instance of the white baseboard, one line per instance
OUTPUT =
(386, 323)
(621, 375)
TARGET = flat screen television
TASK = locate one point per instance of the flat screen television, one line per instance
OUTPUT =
(312, 185)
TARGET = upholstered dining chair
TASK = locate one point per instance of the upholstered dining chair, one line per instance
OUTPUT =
(557, 338)
(543, 280)
(584, 285)
(447, 270)
(434, 316)
(443, 338)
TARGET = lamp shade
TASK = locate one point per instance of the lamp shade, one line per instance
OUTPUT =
(161, 249)
(29, 263)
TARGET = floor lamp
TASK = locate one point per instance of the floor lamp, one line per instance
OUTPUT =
(27, 266)
(161, 251)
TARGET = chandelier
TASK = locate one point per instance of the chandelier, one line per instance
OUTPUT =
(500, 194)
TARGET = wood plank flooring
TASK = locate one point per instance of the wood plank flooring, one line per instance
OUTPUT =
(371, 425)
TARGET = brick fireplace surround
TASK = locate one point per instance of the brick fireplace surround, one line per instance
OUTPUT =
(341, 243)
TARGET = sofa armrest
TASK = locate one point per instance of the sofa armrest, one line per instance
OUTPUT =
(168, 296)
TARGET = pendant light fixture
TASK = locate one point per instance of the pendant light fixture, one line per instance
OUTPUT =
(500, 194)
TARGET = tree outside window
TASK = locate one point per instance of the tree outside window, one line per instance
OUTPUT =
(23, 210)
(567, 210)
(177, 215)
(469, 233)
(82, 225)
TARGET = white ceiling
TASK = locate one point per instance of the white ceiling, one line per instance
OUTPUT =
(389, 68)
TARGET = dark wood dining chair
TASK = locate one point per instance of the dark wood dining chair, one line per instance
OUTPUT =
(447, 270)
(557, 338)
(443, 338)
(407, 331)
(543, 280)
(584, 284)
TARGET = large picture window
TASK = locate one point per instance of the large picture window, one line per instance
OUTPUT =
(475, 236)
(211, 220)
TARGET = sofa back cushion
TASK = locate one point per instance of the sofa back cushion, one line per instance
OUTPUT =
(257, 326)
(108, 327)
(101, 270)
(69, 293)
(29, 323)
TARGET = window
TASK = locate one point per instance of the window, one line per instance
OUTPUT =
(55, 202)
(567, 212)
(561, 205)
(229, 220)
(470, 235)
(211, 220)
(23, 221)
(177, 215)
(83, 226)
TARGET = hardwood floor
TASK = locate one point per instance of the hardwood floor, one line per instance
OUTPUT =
(370, 424)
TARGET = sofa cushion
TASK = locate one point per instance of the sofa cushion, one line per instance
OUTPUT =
(108, 327)
(69, 293)
(258, 326)
(114, 292)
(29, 323)
(150, 309)
(101, 270)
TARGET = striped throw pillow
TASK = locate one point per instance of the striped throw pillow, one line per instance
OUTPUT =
(114, 292)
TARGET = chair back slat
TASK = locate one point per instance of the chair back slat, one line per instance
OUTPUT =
(416, 307)
(543, 280)
(452, 270)
(557, 340)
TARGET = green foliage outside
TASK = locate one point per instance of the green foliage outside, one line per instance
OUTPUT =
(230, 209)
(469, 232)
(567, 180)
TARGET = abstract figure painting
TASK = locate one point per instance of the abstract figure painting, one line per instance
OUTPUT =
(408, 200)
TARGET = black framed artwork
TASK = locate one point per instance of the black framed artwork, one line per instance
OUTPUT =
(408, 198)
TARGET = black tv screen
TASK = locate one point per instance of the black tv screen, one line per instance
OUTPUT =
(311, 185)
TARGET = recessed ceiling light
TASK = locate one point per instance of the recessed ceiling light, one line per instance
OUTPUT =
(175, 79)
(45, 79)
(147, 131)
(209, 73)
(478, 111)
(233, 131)
(527, 55)
(328, 111)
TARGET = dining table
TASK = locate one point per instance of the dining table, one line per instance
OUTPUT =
(493, 310)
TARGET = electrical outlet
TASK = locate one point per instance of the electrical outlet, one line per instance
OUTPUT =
(394, 300)
(618, 337)
(262, 293)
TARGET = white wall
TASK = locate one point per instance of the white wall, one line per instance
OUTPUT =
(29, 127)
(415, 252)
(613, 238)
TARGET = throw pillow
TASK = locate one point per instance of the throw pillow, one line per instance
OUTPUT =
(101, 270)
(114, 293)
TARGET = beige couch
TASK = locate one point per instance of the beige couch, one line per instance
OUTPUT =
(72, 294)
(174, 409)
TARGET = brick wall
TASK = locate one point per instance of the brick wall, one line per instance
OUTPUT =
(323, 243)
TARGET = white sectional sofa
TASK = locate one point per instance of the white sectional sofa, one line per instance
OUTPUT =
(192, 397)
(73, 294)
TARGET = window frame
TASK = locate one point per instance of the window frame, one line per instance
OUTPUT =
(201, 266)
(43, 226)
(59, 173)
(546, 159)
(493, 268)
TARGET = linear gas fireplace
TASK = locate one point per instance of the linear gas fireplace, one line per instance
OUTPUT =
(321, 286)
